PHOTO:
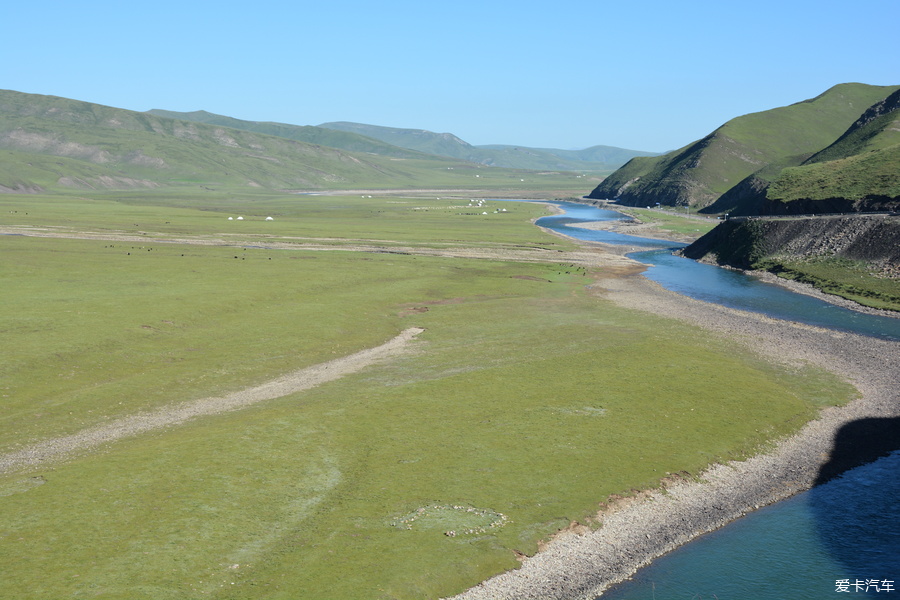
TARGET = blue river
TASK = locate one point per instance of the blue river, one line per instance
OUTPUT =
(839, 539)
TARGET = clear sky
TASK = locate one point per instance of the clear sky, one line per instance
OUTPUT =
(651, 75)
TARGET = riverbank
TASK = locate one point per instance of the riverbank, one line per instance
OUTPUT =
(637, 228)
(581, 563)
(650, 230)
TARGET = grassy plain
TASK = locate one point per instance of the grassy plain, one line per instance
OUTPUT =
(527, 402)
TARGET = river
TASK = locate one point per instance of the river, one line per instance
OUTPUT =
(840, 537)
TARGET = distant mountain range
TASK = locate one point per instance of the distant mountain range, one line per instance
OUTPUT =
(835, 152)
(595, 158)
(309, 134)
(52, 144)
(418, 143)
(839, 151)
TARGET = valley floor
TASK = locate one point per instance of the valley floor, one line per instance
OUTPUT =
(581, 562)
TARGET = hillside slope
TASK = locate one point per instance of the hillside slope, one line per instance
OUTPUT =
(51, 143)
(702, 172)
(878, 128)
(333, 138)
(860, 171)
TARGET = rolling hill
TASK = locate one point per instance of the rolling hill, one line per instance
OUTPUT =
(733, 165)
(860, 171)
(48, 143)
(333, 138)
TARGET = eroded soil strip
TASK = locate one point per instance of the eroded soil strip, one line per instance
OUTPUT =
(298, 381)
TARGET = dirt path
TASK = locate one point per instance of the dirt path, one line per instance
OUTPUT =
(589, 257)
(298, 381)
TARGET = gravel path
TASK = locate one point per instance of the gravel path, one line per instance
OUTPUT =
(298, 381)
(581, 564)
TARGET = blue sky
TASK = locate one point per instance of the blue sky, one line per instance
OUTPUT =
(566, 74)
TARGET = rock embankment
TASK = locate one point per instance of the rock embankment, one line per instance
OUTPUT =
(740, 243)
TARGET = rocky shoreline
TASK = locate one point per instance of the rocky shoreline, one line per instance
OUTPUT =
(580, 563)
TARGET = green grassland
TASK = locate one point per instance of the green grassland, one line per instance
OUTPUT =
(701, 172)
(850, 279)
(415, 218)
(870, 174)
(527, 402)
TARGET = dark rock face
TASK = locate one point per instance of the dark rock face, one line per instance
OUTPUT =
(740, 243)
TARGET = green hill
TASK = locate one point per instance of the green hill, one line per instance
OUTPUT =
(860, 171)
(588, 159)
(878, 128)
(54, 144)
(759, 144)
(321, 136)
(595, 159)
(440, 144)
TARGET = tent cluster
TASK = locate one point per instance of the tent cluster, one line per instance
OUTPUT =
(480, 204)
(242, 218)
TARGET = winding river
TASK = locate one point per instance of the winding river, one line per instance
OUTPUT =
(715, 284)
(840, 537)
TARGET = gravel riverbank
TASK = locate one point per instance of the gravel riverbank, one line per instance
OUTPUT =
(581, 564)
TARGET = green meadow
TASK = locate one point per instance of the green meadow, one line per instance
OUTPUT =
(842, 277)
(525, 403)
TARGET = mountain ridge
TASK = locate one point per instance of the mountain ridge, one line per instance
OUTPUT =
(301, 133)
(733, 163)
(500, 155)
(51, 143)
